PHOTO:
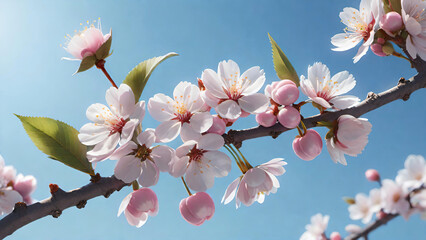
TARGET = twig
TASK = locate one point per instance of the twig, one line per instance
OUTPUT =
(364, 233)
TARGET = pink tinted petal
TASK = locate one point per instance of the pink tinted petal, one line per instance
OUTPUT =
(211, 141)
(94, 39)
(179, 166)
(254, 177)
(230, 192)
(201, 206)
(255, 103)
(104, 149)
(213, 84)
(128, 130)
(139, 112)
(184, 149)
(322, 102)
(201, 122)
(243, 195)
(123, 204)
(128, 168)
(136, 221)
(168, 131)
(94, 112)
(336, 155)
(146, 138)
(275, 166)
(124, 150)
(187, 215)
(25, 185)
(255, 77)
(187, 133)
(150, 174)
(218, 126)
(93, 133)
(209, 99)
(228, 109)
(126, 99)
(198, 177)
(159, 107)
(163, 155)
(342, 102)
(8, 198)
(218, 163)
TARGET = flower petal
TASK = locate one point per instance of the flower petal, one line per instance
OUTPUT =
(124, 150)
(146, 138)
(255, 103)
(228, 109)
(128, 169)
(160, 106)
(128, 130)
(150, 174)
(93, 133)
(201, 122)
(211, 141)
(168, 130)
(104, 149)
(230, 192)
(213, 84)
(163, 155)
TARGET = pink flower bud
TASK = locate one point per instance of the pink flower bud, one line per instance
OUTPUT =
(266, 119)
(286, 93)
(197, 208)
(25, 186)
(378, 50)
(309, 146)
(218, 127)
(391, 22)
(372, 175)
(87, 42)
(380, 41)
(380, 215)
(138, 205)
(289, 117)
(335, 236)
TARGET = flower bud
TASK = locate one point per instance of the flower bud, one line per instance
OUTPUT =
(380, 215)
(391, 22)
(388, 48)
(197, 208)
(218, 127)
(335, 236)
(286, 93)
(289, 117)
(377, 49)
(266, 119)
(308, 146)
(25, 186)
(138, 205)
(372, 175)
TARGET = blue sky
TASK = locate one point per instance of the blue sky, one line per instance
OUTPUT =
(36, 82)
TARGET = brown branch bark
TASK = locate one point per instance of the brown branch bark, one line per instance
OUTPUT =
(60, 200)
(373, 101)
(372, 227)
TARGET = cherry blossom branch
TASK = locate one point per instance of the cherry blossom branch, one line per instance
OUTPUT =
(60, 200)
(373, 101)
(373, 226)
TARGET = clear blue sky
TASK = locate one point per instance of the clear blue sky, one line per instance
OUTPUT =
(36, 82)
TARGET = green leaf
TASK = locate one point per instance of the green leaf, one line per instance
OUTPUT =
(138, 76)
(58, 140)
(87, 63)
(392, 5)
(103, 51)
(282, 65)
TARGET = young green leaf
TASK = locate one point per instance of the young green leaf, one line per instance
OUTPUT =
(282, 65)
(103, 51)
(58, 140)
(87, 63)
(139, 75)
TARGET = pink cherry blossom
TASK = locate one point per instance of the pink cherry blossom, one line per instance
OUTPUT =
(235, 93)
(335, 236)
(218, 126)
(200, 162)
(391, 23)
(86, 42)
(315, 230)
(25, 185)
(139, 160)
(372, 175)
(393, 196)
(197, 208)
(289, 117)
(255, 183)
(182, 114)
(112, 125)
(350, 138)
(361, 25)
(414, 173)
(138, 205)
(414, 18)
(309, 146)
(361, 209)
(8, 196)
(325, 90)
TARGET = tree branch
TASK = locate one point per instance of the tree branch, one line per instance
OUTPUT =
(60, 200)
(373, 101)
(372, 227)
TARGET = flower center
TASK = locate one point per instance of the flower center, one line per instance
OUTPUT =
(195, 154)
(396, 197)
(143, 153)
(181, 112)
(117, 125)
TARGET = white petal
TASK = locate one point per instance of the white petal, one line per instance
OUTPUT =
(187, 133)
(230, 192)
(361, 52)
(126, 100)
(128, 169)
(342, 102)
(93, 133)
(229, 109)
(150, 174)
(343, 82)
(255, 103)
(111, 97)
(211, 141)
(168, 131)
(139, 112)
(212, 83)
(123, 204)
(147, 137)
(255, 78)
(97, 113)
(275, 166)
(124, 150)
(201, 122)
(160, 106)
(179, 166)
(104, 149)
(162, 156)
(345, 41)
(8, 198)
(218, 163)
(184, 149)
(322, 102)
(336, 154)
(198, 177)
(128, 131)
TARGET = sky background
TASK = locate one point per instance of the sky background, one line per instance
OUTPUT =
(35, 82)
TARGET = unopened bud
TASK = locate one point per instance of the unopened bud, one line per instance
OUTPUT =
(391, 23)
(388, 48)
(377, 49)
(372, 175)
(335, 236)
(381, 215)
(349, 200)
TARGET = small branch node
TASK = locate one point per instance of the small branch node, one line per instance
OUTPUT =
(95, 178)
(56, 213)
(81, 204)
(19, 206)
(372, 96)
(402, 81)
(406, 97)
(274, 134)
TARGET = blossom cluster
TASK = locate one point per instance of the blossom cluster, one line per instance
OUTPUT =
(14, 188)
(405, 196)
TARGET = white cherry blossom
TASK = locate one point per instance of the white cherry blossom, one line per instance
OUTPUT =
(255, 183)
(361, 209)
(182, 114)
(325, 90)
(200, 162)
(111, 125)
(142, 161)
(315, 230)
(394, 198)
(231, 93)
(350, 138)
(8, 196)
(414, 173)
(414, 18)
(361, 26)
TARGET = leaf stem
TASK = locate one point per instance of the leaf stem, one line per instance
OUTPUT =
(101, 65)
(235, 158)
(244, 158)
